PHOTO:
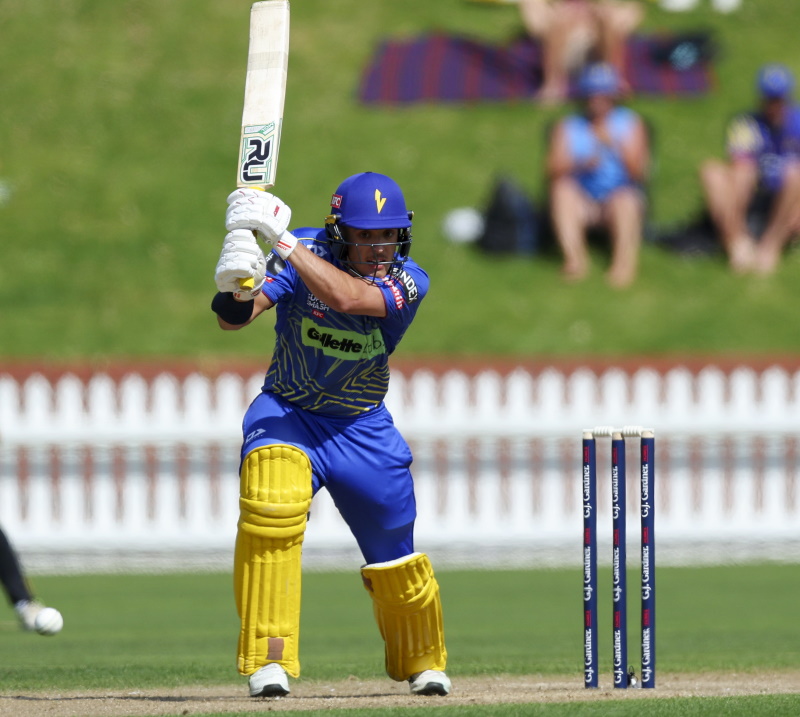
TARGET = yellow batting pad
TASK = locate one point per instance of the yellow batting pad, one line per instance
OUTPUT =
(408, 609)
(275, 495)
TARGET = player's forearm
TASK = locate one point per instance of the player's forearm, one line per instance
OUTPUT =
(338, 289)
(233, 315)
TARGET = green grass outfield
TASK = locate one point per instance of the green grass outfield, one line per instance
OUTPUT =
(117, 150)
(128, 632)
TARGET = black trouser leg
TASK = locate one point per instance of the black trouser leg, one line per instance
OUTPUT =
(11, 573)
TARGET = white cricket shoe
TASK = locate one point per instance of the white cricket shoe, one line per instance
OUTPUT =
(430, 682)
(27, 610)
(269, 681)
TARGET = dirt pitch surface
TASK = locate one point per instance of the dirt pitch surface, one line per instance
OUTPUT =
(356, 693)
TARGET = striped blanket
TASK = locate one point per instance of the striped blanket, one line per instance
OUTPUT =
(438, 67)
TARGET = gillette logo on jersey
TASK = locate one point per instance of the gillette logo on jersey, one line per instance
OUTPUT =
(347, 345)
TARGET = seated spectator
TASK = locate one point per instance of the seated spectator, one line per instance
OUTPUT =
(597, 163)
(576, 32)
(761, 175)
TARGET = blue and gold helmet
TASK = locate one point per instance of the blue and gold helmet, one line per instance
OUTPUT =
(369, 201)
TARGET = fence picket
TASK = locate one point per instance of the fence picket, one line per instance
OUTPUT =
(150, 463)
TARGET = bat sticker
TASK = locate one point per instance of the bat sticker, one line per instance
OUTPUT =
(257, 153)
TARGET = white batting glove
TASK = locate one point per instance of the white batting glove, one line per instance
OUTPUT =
(241, 258)
(263, 213)
(260, 211)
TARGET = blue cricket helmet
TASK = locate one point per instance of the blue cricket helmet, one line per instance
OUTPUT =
(775, 81)
(369, 201)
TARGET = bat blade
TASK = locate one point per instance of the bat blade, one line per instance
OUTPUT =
(264, 93)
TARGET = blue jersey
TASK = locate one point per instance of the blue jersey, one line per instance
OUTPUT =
(328, 362)
(751, 136)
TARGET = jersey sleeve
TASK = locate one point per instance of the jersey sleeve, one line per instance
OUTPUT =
(402, 294)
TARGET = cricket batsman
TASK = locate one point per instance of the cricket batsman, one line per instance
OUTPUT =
(344, 295)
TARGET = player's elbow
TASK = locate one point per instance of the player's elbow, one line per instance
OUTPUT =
(225, 326)
(359, 305)
(346, 304)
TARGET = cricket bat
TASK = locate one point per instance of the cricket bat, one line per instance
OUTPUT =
(264, 93)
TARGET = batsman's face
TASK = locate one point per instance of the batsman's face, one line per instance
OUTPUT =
(371, 251)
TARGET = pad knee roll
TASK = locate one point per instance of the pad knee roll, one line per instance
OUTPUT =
(408, 610)
(275, 495)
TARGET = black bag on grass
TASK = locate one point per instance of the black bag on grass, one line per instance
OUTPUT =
(511, 222)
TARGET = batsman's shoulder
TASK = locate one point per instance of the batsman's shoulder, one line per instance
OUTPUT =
(415, 268)
(314, 239)
(305, 233)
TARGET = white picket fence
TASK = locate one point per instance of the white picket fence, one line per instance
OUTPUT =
(132, 472)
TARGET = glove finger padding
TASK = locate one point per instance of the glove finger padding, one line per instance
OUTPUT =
(258, 211)
(241, 258)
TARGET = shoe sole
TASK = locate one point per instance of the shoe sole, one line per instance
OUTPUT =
(432, 688)
(271, 691)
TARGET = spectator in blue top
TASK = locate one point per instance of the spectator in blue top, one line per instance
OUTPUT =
(597, 162)
(761, 176)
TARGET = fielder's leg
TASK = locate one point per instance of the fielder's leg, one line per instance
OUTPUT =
(16, 587)
(275, 497)
(14, 584)
(408, 610)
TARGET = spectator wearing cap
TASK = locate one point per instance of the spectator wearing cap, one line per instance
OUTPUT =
(760, 178)
(597, 164)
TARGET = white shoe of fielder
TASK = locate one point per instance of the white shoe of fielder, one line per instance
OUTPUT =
(27, 610)
(430, 682)
(269, 681)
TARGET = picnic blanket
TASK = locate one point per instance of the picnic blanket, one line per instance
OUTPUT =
(438, 67)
